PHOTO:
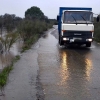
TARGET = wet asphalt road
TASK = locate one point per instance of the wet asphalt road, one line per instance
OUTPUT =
(50, 72)
(69, 73)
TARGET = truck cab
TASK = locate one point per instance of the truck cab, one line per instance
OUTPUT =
(75, 26)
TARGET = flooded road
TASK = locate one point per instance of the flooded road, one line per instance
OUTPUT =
(50, 72)
(69, 73)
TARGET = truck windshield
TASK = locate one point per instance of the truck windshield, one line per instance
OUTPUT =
(81, 17)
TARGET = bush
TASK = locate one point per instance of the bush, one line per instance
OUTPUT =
(30, 30)
(97, 31)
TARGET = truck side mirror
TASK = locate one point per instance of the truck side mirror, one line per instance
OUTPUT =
(97, 18)
(57, 17)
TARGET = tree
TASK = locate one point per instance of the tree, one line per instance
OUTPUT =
(9, 22)
(1, 24)
(34, 13)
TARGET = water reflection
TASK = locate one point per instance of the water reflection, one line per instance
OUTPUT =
(71, 62)
(75, 72)
(88, 68)
(64, 69)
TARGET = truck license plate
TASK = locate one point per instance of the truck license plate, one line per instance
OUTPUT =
(77, 38)
(71, 40)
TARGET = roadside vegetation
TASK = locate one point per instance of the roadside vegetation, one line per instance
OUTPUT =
(33, 26)
(27, 29)
(31, 30)
(5, 73)
(97, 31)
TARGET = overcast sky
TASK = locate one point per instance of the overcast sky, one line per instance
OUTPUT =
(49, 7)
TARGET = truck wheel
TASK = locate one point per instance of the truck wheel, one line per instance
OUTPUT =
(88, 44)
(61, 42)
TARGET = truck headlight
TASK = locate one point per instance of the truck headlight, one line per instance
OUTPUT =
(65, 39)
(90, 40)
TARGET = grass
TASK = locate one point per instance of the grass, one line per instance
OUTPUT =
(16, 58)
(5, 73)
(29, 42)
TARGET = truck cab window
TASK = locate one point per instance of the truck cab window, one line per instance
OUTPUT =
(78, 16)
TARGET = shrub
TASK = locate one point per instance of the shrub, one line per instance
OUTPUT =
(97, 31)
(30, 30)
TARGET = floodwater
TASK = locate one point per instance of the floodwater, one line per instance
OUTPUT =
(6, 58)
(50, 72)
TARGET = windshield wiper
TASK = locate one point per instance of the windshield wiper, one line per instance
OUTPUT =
(84, 19)
(74, 19)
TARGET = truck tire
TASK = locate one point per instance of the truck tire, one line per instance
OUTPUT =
(60, 41)
(88, 44)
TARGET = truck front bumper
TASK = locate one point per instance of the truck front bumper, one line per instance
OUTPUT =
(76, 40)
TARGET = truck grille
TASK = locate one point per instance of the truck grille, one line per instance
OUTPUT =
(77, 34)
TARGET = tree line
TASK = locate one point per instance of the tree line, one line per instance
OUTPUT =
(28, 28)
(9, 21)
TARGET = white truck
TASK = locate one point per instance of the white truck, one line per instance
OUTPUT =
(75, 26)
